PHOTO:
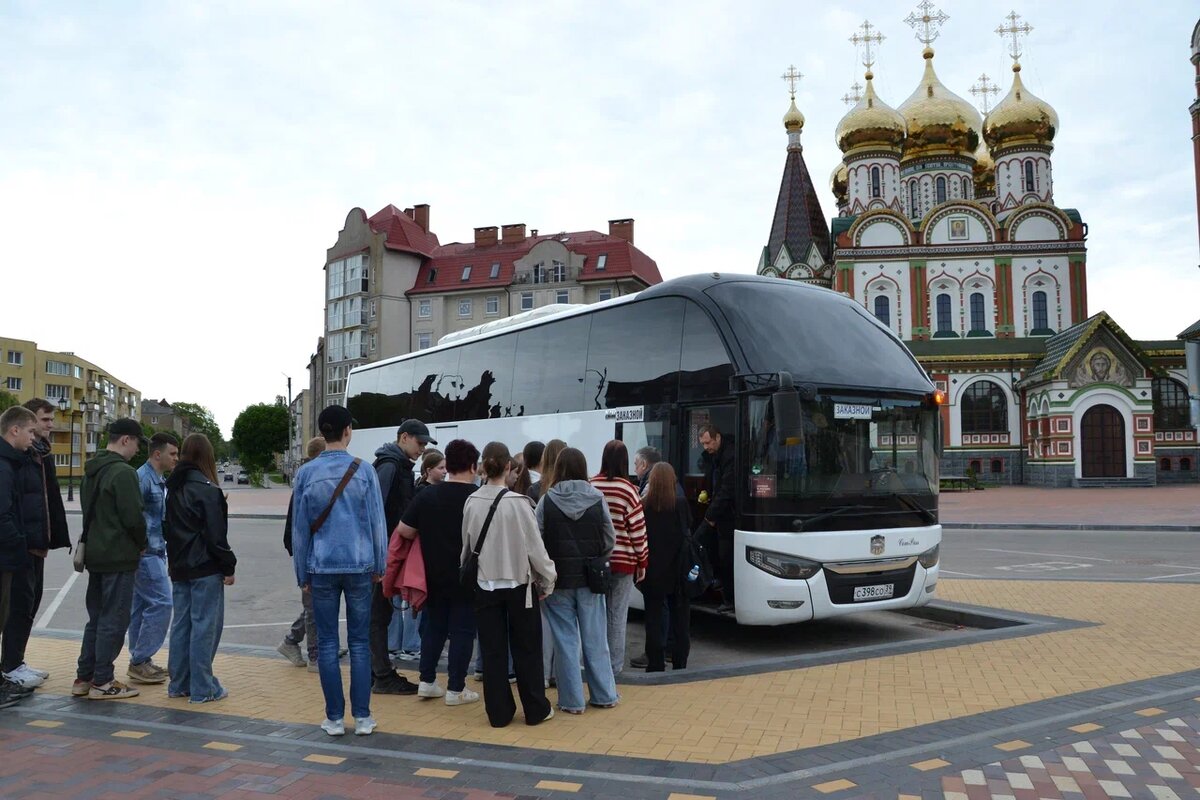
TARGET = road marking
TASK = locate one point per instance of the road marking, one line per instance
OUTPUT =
(1050, 555)
(945, 571)
(48, 614)
(1180, 575)
(264, 624)
(1045, 566)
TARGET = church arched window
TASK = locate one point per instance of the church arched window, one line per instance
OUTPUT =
(876, 183)
(944, 324)
(1041, 317)
(984, 408)
(966, 184)
(940, 190)
(1029, 184)
(883, 310)
(1170, 405)
(914, 200)
(978, 317)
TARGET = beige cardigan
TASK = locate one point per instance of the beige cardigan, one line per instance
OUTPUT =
(513, 550)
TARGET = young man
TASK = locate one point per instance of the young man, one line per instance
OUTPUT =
(340, 548)
(18, 428)
(150, 617)
(394, 467)
(115, 542)
(718, 522)
(305, 627)
(45, 529)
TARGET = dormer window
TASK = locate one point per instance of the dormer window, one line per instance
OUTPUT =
(495, 270)
(432, 275)
(466, 273)
(601, 262)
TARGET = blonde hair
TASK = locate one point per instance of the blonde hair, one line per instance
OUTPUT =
(316, 446)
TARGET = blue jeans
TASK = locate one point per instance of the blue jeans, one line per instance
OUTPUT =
(151, 615)
(575, 616)
(327, 591)
(455, 620)
(199, 618)
(404, 632)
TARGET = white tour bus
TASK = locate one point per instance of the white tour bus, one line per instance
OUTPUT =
(835, 427)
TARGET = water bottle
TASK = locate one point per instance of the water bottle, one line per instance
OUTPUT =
(693, 573)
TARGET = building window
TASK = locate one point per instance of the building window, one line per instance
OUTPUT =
(1185, 465)
(1041, 318)
(997, 466)
(495, 270)
(432, 275)
(58, 368)
(601, 262)
(966, 184)
(914, 200)
(984, 409)
(425, 309)
(526, 301)
(604, 294)
(79, 372)
(876, 183)
(154, 420)
(373, 309)
(12, 384)
(940, 189)
(335, 273)
(424, 340)
(883, 310)
(464, 307)
(373, 342)
(1164, 464)
(16, 358)
(57, 390)
(1029, 184)
(1170, 405)
(944, 323)
(558, 272)
(466, 273)
(539, 272)
(62, 459)
(493, 305)
(978, 323)
(562, 296)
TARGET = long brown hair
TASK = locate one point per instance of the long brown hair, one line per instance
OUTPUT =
(496, 459)
(570, 466)
(549, 459)
(614, 463)
(198, 450)
(660, 488)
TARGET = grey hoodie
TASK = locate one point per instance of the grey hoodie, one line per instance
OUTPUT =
(573, 498)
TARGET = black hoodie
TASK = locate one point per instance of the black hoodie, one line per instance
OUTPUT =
(196, 526)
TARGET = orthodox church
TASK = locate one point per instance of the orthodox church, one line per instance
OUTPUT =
(948, 231)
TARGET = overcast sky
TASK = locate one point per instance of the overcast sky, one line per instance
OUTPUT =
(172, 173)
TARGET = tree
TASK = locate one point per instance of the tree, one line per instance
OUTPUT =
(201, 420)
(260, 432)
(8, 400)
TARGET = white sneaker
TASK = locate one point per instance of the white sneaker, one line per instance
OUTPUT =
(22, 676)
(41, 673)
(461, 698)
(429, 690)
(334, 727)
(364, 726)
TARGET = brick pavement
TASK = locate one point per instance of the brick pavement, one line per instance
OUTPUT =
(1160, 505)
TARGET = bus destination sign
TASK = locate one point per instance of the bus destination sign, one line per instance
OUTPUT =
(627, 414)
(852, 411)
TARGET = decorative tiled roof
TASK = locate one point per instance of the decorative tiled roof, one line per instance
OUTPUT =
(1193, 330)
(799, 222)
(402, 232)
(1062, 347)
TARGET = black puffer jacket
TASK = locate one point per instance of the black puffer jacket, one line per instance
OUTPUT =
(576, 527)
(41, 501)
(196, 526)
(722, 485)
(13, 555)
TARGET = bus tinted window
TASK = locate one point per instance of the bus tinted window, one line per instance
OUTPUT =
(705, 366)
(437, 383)
(487, 377)
(549, 373)
(381, 395)
(633, 354)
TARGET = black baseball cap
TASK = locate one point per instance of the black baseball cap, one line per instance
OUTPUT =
(334, 420)
(417, 429)
(127, 427)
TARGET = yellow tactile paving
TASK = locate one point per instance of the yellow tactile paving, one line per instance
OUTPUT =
(931, 763)
(829, 787)
(317, 758)
(1149, 712)
(720, 720)
(227, 747)
(1015, 744)
(559, 786)
(1086, 727)
(678, 796)
(44, 723)
(430, 772)
(130, 734)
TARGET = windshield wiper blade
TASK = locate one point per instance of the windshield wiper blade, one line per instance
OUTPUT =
(826, 513)
(913, 505)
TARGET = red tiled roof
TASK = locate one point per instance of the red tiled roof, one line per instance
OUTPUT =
(402, 232)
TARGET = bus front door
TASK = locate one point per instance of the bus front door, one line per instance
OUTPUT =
(691, 455)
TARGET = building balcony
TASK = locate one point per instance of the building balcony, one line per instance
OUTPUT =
(547, 276)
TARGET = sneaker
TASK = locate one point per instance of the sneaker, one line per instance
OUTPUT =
(512, 677)
(80, 687)
(602, 705)
(334, 727)
(166, 673)
(725, 608)
(25, 678)
(8, 701)
(477, 675)
(214, 699)
(431, 690)
(43, 673)
(410, 655)
(640, 662)
(145, 673)
(312, 667)
(462, 698)
(15, 689)
(364, 726)
(291, 651)
(113, 690)
(393, 683)
(177, 695)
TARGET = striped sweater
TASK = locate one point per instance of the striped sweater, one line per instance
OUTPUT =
(629, 522)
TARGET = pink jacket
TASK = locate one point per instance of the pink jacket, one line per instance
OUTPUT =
(405, 574)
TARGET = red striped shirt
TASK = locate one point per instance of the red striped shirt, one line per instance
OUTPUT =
(625, 507)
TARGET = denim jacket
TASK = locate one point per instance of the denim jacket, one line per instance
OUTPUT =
(354, 536)
(154, 508)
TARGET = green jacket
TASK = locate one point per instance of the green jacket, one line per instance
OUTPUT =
(117, 535)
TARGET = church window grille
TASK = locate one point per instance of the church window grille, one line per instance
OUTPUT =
(1164, 464)
(914, 200)
(1029, 183)
(997, 466)
(978, 323)
(966, 183)
(940, 189)
(976, 467)
(1170, 405)
(876, 183)
(944, 324)
(883, 310)
(1185, 465)
(984, 409)
(1041, 318)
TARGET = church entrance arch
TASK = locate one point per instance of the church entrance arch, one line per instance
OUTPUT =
(1102, 439)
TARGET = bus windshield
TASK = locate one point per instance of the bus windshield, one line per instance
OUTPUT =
(872, 462)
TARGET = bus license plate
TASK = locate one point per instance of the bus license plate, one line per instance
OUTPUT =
(880, 592)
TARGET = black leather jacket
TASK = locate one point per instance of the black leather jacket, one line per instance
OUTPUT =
(196, 526)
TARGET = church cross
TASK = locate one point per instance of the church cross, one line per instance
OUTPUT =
(983, 91)
(866, 39)
(792, 77)
(854, 95)
(926, 24)
(1014, 31)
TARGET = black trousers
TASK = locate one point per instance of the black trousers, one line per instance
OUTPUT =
(381, 618)
(24, 600)
(719, 545)
(5, 594)
(505, 625)
(680, 617)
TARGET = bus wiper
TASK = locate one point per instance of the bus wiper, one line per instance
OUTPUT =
(912, 505)
(826, 513)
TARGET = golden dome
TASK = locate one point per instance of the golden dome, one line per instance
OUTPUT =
(793, 120)
(839, 182)
(1020, 118)
(984, 172)
(871, 123)
(939, 121)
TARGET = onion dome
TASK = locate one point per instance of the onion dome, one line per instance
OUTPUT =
(984, 172)
(939, 121)
(872, 123)
(793, 120)
(839, 182)
(1020, 118)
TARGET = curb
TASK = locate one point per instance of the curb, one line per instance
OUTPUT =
(1064, 526)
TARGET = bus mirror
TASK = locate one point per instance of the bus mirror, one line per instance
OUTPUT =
(786, 405)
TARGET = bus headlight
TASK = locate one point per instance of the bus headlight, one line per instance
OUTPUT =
(929, 558)
(782, 565)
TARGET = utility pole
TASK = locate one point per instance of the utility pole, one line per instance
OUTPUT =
(288, 462)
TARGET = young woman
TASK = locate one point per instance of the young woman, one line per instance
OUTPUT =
(667, 521)
(433, 469)
(629, 551)
(577, 530)
(549, 457)
(201, 566)
(515, 573)
(404, 631)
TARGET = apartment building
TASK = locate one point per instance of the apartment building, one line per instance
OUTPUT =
(94, 397)
(303, 422)
(391, 287)
(161, 415)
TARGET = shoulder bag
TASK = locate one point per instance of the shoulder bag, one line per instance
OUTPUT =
(598, 573)
(341, 487)
(468, 571)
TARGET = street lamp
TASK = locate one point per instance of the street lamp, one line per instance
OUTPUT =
(64, 405)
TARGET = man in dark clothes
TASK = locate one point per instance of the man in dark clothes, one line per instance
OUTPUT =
(18, 428)
(719, 517)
